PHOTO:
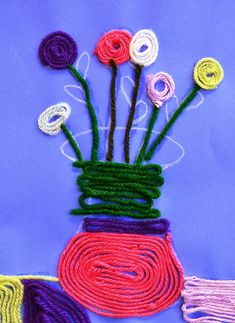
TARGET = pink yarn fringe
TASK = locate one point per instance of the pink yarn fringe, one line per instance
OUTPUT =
(208, 301)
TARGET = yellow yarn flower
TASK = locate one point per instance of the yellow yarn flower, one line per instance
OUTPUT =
(208, 73)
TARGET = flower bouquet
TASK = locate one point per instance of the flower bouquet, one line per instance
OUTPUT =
(117, 267)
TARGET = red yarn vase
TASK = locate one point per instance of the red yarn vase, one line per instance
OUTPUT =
(121, 275)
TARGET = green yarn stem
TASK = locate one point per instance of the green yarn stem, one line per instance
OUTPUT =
(119, 189)
(95, 132)
(72, 141)
(172, 120)
(152, 121)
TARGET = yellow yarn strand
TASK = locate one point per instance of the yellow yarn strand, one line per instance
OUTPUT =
(11, 298)
(208, 73)
(39, 277)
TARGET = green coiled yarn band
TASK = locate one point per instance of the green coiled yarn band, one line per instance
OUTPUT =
(119, 189)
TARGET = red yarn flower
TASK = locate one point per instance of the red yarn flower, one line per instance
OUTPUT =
(114, 45)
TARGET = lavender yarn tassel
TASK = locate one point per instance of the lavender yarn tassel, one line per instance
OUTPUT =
(160, 226)
(45, 304)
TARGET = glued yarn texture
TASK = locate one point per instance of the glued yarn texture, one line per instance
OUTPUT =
(43, 303)
(138, 72)
(208, 300)
(109, 155)
(61, 111)
(57, 50)
(114, 45)
(30, 299)
(156, 96)
(171, 122)
(208, 73)
(144, 47)
(159, 226)
(121, 275)
(11, 297)
(117, 268)
(121, 189)
(91, 110)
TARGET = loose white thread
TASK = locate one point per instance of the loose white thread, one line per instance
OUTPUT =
(164, 166)
(190, 107)
(196, 105)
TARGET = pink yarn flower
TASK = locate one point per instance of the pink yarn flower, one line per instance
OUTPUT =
(159, 97)
(114, 45)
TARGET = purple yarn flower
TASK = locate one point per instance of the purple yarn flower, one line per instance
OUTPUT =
(159, 97)
(57, 50)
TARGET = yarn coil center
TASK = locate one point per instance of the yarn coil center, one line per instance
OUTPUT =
(121, 275)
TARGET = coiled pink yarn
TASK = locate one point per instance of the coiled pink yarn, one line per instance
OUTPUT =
(114, 45)
(159, 97)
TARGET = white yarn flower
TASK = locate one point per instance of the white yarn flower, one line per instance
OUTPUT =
(61, 111)
(144, 47)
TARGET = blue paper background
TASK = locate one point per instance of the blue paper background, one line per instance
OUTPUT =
(38, 183)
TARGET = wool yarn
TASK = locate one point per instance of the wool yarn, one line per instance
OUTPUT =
(57, 50)
(11, 297)
(208, 300)
(156, 96)
(117, 268)
(114, 45)
(152, 120)
(143, 52)
(109, 155)
(91, 110)
(130, 120)
(121, 275)
(159, 226)
(61, 111)
(118, 189)
(208, 73)
(44, 303)
(144, 47)
(72, 141)
(192, 94)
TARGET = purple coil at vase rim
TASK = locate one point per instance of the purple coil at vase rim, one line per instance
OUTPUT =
(159, 226)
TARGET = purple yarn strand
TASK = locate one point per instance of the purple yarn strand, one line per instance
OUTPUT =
(159, 226)
(45, 304)
(57, 50)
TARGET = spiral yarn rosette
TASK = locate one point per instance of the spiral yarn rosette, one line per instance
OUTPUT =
(121, 275)
(208, 73)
